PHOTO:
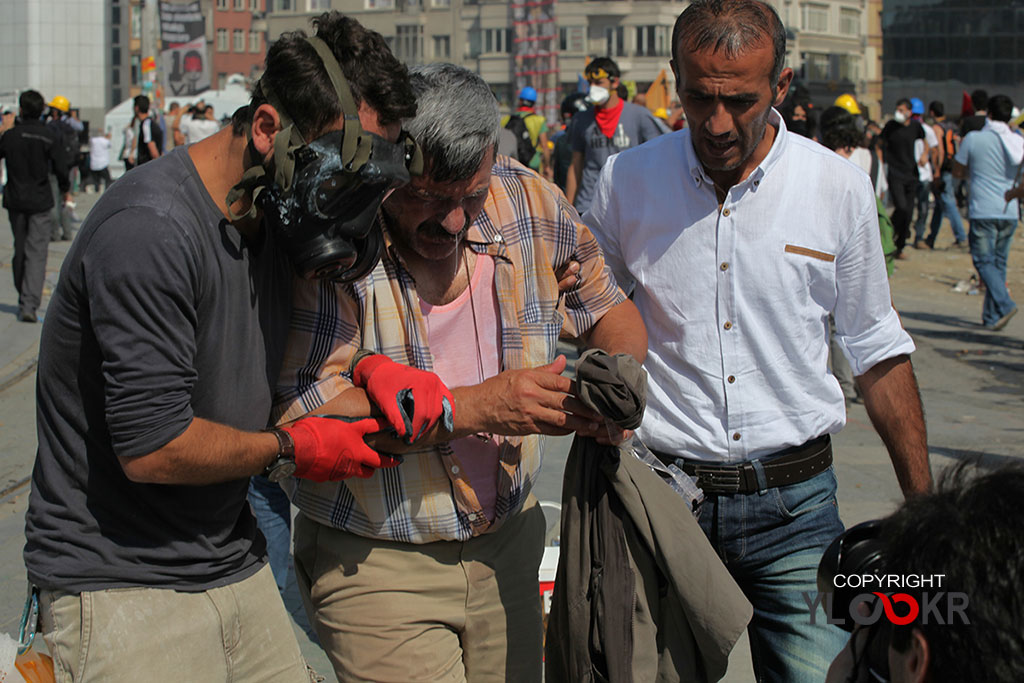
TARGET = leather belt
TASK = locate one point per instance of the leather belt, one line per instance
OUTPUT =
(789, 466)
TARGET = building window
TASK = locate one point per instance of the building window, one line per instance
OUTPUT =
(283, 5)
(222, 40)
(816, 66)
(136, 69)
(115, 35)
(380, 4)
(442, 47)
(652, 41)
(849, 21)
(222, 4)
(116, 93)
(240, 5)
(615, 44)
(115, 77)
(497, 40)
(816, 18)
(571, 38)
(254, 41)
(409, 44)
(254, 6)
(239, 40)
(849, 68)
(115, 15)
(115, 57)
(136, 22)
(315, 5)
(440, 3)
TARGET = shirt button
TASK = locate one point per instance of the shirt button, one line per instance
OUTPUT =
(727, 325)
(497, 238)
(725, 212)
(455, 469)
(736, 436)
(472, 516)
(731, 379)
(724, 266)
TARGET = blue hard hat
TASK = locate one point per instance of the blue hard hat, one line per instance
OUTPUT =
(916, 106)
(528, 94)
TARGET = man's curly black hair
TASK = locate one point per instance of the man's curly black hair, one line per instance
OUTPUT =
(971, 530)
(297, 76)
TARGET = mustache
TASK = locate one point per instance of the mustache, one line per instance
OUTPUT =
(434, 230)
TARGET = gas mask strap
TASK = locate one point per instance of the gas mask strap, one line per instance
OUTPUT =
(355, 147)
(285, 142)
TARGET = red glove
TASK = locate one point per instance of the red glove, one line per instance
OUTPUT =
(331, 448)
(412, 400)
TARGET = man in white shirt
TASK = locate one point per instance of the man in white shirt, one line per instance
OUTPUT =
(740, 240)
(99, 160)
(198, 125)
(929, 161)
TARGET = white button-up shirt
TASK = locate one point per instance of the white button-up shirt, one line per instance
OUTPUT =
(737, 301)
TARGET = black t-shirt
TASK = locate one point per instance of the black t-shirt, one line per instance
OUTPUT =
(149, 131)
(163, 312)
(972, 123)
(899, 149)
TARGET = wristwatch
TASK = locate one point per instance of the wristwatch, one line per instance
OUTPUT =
(283, 465)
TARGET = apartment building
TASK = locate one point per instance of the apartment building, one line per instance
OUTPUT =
(58, 48)
(829, 45)
(238, 44)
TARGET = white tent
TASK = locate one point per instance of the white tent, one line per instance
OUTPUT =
(224, 102)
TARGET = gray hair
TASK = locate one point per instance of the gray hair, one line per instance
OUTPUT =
(732, 26)
(456, 122)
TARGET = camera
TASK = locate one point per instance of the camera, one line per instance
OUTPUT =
(858, 551)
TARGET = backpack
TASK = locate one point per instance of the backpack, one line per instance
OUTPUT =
(525, 149)
(67, 140)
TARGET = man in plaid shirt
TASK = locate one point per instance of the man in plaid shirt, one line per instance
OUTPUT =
(428, 571)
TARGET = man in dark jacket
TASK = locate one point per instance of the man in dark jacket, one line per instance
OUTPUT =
(32, 153)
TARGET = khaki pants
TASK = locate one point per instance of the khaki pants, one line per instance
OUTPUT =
(397, 612)
(236, 633)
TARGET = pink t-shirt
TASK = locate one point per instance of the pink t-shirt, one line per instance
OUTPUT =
(458, 358)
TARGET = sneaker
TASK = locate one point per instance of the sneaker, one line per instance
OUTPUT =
(921, 244)
(960, 244)
(26, 317)
(1001, 323)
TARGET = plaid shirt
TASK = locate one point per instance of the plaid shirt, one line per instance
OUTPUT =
(530, 230)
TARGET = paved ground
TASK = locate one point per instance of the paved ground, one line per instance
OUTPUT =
(972, 383)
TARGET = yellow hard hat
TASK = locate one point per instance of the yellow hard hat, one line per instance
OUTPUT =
(849, 103)
(61, 102)
(661, 113)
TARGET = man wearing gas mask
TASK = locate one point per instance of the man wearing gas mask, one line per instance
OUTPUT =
(158, 354)
(428, 571)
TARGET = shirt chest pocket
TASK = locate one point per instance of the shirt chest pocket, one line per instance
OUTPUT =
(812, 271)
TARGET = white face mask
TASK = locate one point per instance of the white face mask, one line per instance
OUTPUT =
(597, 95)
(900, 117)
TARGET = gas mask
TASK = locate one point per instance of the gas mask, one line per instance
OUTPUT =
(321, 198)
(597, 95)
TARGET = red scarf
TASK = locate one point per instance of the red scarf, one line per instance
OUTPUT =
(608, 119)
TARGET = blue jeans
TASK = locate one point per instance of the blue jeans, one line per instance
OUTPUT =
(273, 515)
(924, 194)
(990, 240)
(771, 542)
(945, 206)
